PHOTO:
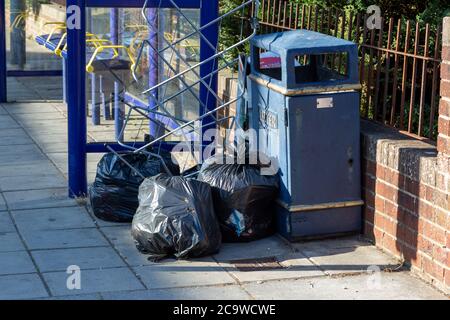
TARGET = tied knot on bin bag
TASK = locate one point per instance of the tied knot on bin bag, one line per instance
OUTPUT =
(175, 217)
(244, 198)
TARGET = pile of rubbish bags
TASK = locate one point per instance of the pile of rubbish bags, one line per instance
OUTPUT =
(184, 217)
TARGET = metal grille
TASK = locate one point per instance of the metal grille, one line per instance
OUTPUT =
(259, 264)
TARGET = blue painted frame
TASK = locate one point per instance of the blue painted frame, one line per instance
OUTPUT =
(3, 75)
(186, 4)
(76, 95)
(34, 73)
(76, 103)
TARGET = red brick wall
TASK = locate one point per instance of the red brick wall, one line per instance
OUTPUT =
(406, 210)
(406, 186)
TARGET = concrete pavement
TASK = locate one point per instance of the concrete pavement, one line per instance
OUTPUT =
(42, 233)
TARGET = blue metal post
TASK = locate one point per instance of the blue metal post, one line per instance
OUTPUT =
(119, 112)
(209, 11)
(95, 107)
(76, 104)
(3, 92)
(152, 14)
(64, 77)
(105, 106)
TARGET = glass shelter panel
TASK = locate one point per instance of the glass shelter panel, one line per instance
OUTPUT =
(24, 21)
(173, 35)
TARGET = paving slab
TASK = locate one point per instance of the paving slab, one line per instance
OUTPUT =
(3, 111)
(38, 129)
(61, 106)
(85, 258)
(54, 147)
(15, 263)
(2, 204)
(48, 125)
(183, 274)
(228, 292)
(109, 136)
(14, 137)
(21, 150)
(91, 176)
(36, 199)
(24, 286)
(21, 95)
(94, 158)
(52, 219)
(22, 155)
(29, 107)
(6, 224)
(120, 237)
(60, 160)
(59, 239)
(25, 117)
(16, 132)
(102, 223)
(92, 167)
(50, 138)
(45, 167)
(7, 122)
(383, 286)
(269, 247)
(349, 260)
(93, 281)
(14, 141)
(32, 182)
(10, 241)
(20, 159)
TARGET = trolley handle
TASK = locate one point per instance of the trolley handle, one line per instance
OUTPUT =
(92, 39)
(101, 48)
(18, 19)
(58, 50)
(58, 27)
(99, 42)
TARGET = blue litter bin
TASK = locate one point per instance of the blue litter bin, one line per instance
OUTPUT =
(303, 99)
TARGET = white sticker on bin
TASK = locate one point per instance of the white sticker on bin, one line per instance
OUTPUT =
(325, 103)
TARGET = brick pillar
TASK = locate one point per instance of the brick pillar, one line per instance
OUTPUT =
(444, 105)
(443, 146)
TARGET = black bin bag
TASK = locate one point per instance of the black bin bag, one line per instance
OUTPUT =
(244, 199)
(175, 217)
(114, 193)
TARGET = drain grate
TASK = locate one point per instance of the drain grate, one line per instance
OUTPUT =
(258, 264)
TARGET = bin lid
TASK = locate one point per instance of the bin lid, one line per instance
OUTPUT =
(301, 41)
